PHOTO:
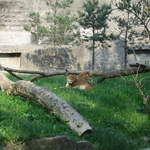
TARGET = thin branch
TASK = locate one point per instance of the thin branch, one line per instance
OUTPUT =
(16, 76)
(21, 71)
(141, 20)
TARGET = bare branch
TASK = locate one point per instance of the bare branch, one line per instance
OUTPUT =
(141, 69)
(16, 76)
(21, 71)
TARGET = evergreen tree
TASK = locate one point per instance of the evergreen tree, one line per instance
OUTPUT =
(138, 14)
(62, 22)
(94, 17)
(36, 27)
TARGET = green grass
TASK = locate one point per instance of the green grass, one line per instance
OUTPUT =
(113, 109)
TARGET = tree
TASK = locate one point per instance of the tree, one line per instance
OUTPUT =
(94, 17)
(124, 25)
(36, 28)
(62, 21)
(140, 11)
(137, 14)
(58, 25)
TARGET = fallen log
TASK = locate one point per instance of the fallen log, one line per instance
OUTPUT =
(136, 68)
(49, 100)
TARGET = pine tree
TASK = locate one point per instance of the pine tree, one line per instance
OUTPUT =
(138, 14)
(62, 21)
(94, 17)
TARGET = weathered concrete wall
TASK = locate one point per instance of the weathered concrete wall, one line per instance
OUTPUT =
(139, 58)
(59, 57)
(7, 61)
(13, 16)
(108, 58)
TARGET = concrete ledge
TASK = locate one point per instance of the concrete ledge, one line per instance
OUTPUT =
(8, 38)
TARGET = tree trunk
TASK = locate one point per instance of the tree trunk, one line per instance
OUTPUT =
(93, 50)
(50, 101)
(126, 42)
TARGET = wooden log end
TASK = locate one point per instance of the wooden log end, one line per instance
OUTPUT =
(85, 130)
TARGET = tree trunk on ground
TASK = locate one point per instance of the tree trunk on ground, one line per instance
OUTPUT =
(49, 100)
(136, 68)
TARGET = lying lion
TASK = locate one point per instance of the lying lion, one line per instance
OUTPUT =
(80, 81)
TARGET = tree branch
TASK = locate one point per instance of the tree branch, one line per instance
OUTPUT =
(22, 71)
(16, 76)
(133, 70)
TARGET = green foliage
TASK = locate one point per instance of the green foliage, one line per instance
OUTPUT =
(36, 27)
(137, 15)
(35, 18)
(62, 31)
(60, 3)
(139, 11)
(62, 22)
(94, 17)
(115, 114)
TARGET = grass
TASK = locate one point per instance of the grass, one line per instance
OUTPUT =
(113, 108)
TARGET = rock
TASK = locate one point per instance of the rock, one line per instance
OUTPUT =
(147, 139)
(49, 143)
(52, 143)
(57, 143)
(12, 146)
(84, 145)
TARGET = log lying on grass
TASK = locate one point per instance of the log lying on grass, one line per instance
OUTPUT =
(136, 68)
(49, 100)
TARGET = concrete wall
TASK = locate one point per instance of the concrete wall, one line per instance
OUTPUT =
(108, 58)
(9, 60)
(58, 57)
(139, 58)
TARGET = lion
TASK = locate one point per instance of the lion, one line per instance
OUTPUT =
(80, 81)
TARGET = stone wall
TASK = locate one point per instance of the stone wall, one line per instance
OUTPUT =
(13, 17)
(10, 60)
(139, 58)
(58, 57)
(108, 58)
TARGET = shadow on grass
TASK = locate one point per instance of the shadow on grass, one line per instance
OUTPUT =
(28, 120)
